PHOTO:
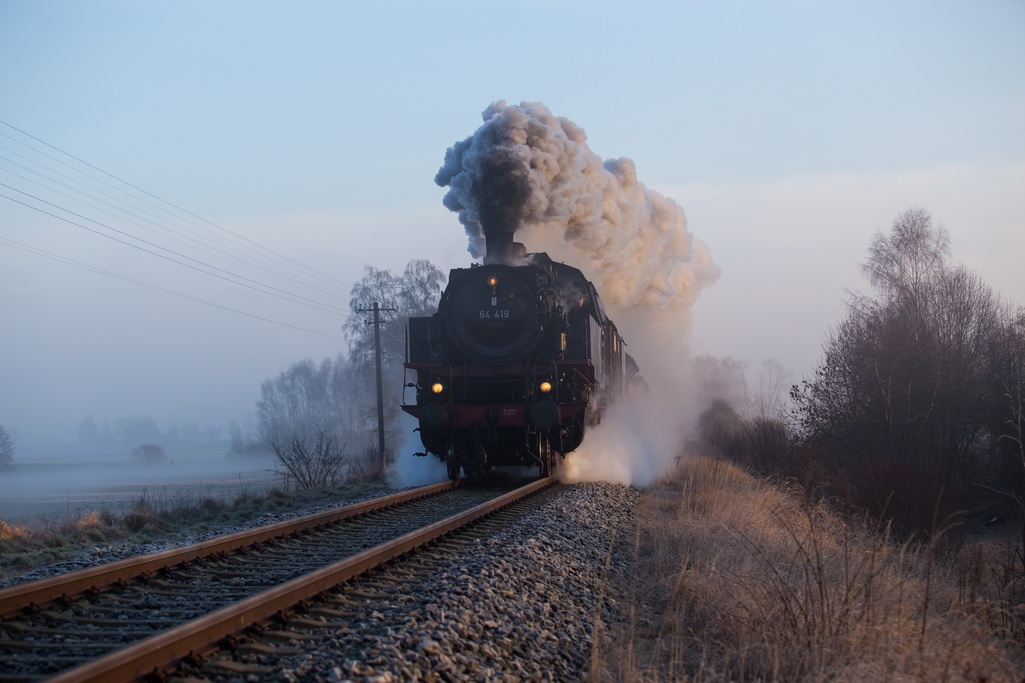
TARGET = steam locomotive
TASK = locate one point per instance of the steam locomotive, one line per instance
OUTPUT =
(518, 361)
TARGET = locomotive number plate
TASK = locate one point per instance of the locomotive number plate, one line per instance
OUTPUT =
(497, 314)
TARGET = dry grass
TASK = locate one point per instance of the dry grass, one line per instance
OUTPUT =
(736, 579)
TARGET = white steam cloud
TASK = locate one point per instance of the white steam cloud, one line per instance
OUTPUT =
(410, 469)
(528, 172)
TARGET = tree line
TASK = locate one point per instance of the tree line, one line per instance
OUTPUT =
(138, 430)
(915, 411)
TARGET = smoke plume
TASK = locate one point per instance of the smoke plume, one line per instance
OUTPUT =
(527, 171)
(532, 173)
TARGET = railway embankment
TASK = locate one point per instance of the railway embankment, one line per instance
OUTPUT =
(711, 574)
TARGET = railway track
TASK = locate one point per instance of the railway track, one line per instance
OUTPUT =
(127, 619)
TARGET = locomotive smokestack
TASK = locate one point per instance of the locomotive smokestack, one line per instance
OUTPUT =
(501, 249)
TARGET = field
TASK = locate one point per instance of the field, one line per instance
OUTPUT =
(65, 486)
(54, 508)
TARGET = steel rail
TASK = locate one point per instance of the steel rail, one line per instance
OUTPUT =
(15, 600)
(196, 637)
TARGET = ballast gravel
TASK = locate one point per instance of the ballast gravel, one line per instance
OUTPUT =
(520, 606)
(123, 551)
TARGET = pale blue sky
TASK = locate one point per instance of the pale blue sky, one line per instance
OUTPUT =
(788, 131)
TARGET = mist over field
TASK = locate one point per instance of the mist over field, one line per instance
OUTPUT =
(63, 483)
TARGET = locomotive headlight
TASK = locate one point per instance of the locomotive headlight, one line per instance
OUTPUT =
(492, 280)
(545, 387)
(437, 387)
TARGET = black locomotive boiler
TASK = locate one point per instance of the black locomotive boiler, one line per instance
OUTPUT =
(518, 361)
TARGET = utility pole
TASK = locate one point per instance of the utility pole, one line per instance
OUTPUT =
(380, 383)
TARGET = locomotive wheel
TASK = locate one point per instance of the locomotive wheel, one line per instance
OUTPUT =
(546, 455)
(452, 460)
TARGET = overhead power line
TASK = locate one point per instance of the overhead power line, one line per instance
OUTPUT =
(100, 271)
(59, 177)
(237, 244)
(240, 238)
(157, 224)
(255, 286)
(198, 236)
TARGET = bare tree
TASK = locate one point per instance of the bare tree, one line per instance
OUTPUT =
(773, 382)
(6, 448)
(415, 293)
(149, 454)
(378, 286)
(313, 460)
(720, 430)
(420, 288)
(901, 263)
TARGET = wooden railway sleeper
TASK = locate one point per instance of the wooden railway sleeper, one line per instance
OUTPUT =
(55, 647)
(230, 666)
(97, 621)
(262, 649)
(79, 634)
(285, 636)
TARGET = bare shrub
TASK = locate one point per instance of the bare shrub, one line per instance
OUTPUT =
(143, 518)
(314, 460)
(1007, 412)
(768, 447)
(211, 505)
(764, 444)
(721, 430)
(149, 454)
(911, 497)
(367, 467)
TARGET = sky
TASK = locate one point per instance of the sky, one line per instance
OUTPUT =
(310, 133)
